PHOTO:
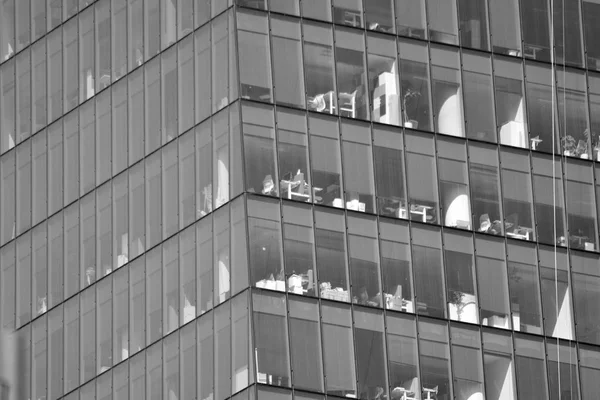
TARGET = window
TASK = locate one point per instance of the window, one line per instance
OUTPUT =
(396, 266)
(498, 365)
(363, 259)
(567, 32)
(442, 20)
(154, 306)
(326, 161)
(240, 335)
(466, 362)
(264, 232)
(536, 29)
(454, 183)
(402, 355)
(590, 371)
(572, 115)
(505, 26)
(485, 189)
(23, 92)
(298, 248)
(530, 368)
(492, 282)
(460, 277)
(338, 350)
(187, 179)
(204, 265)
(523, 282)
(384, 82)
(87, 246)
(317, 9)
(104, 236)
(428, 270)
(185, 69)
(255, 64)
(331, 255)
(87, 341)
(170, 285)
(135, 36)
(414, 70)
(288, 72)
(104, 350)
(562, 370)
(379, 15)
(549, 201)
(539, 108)
(446, 92)
(319, 68)
(348, 12)
(23, 187)
(410, 18)
(473, 24)
(221, 260)
(518, 201)
(169, 94)
(7, 110)
(120, 312)
(510, 107)
(151, 28)
(353, 94)
(71, 64)
(591, 11)
(205, 329)
(271, 339)
(390, 182)
(153, 218)
(434, 355)
(39, 70)
(358, 167)
(87, 74)
(370, 353)
(259, 148)
(554, 277)
(479, 96)
(421, 179)
(581, 213)
(168, 23)
(292, 147)
(170, 190)
(305, 344)
(103, 44)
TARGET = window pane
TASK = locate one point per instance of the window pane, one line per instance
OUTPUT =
(331, 255)
(137, 305)
(414, 70)
(154, 207)
(23, 92)
(103, 142)
(23, 187)
(88, 335)
(170, 283)
(353, 99)
(442, 18)
(498, 366)
(104, 326)
(581, 216)
(137, 211)
(119, 126)
(453, 183)
(493, 283)
(558, 322)
(536, 29)
(338, 349)
(383, 80)
(567, 32)
(396, 266)
(255, 71)
(479, 97)
(154, 307)
(187, 179)
(55, 350)
(326, 161)
(299, 253)
(529, 361)
(358, 167)
(466, 362)
(319, 68)
(510, 111)
(259, 148)
(103, 44)
(348, 12)
(202, 73)
(288, 74)
(135, 35)
(518, 202)
(120, 333)
(485, 189)
(220, 157)
(523, 282)
(186, 84)
(87, 74)
(187, 265)
(390, 185)
(434, 358)
(380, 15)
(104, 236)
(70, 64)
(151, 27)
(421, 179)
(402, 356)
(170, 190)
(39, 71)
(293, 156)
(446, 88)
(549, 200)
(221, 246)
(410, 18)
(318, 9)
(473, 24)
(370, 353)
(7, 112)
(572, 115)
(87, 271)
(505, 26)
(586, 291)
(54, 76)
(428, 269)
(168, 23)
(460, 277)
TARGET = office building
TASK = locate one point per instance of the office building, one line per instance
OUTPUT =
(301, 199)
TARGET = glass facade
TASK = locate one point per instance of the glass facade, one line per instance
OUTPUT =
(301, 199)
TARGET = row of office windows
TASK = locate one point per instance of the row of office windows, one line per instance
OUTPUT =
(404, 82)
(66, 68)
(412, 175)
(112, 131)
(320, 253)
(326, 347)
(118, 221)
(24, 22)
(513, 27)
